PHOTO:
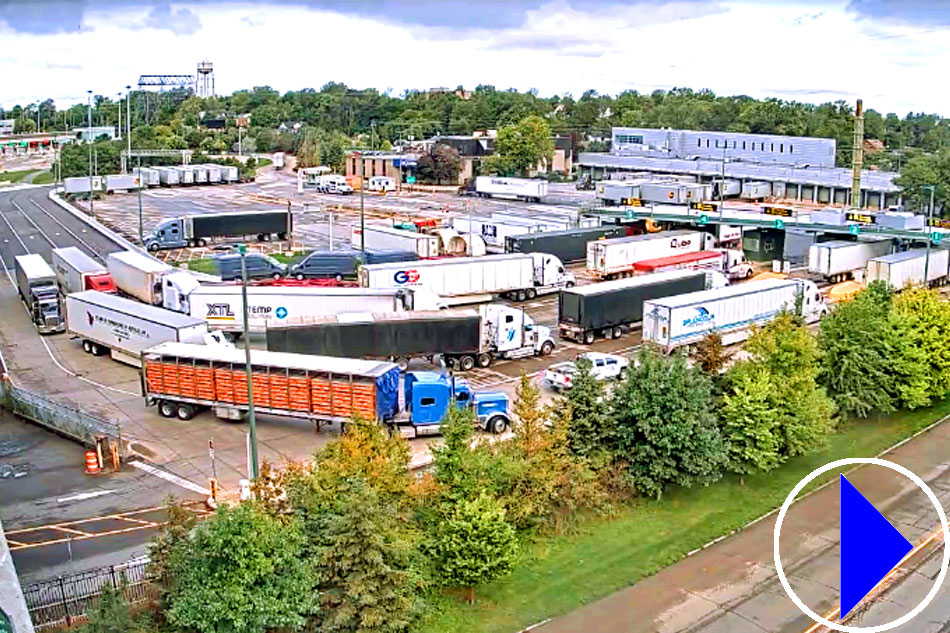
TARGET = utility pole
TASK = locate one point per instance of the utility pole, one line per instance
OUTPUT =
(119, 111)
(128, 119)
(247, 365)
(139, 190)
(362, 216)
(857, 156)
(930, 213)
(89, 140)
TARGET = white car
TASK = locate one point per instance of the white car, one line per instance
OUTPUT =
(603, 367)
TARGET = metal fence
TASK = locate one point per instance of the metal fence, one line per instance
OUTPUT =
(69, 421)
(66, 600)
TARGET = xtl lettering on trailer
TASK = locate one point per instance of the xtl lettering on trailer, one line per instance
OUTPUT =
(220, 311)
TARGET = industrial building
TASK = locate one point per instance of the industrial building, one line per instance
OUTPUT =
(800, 169)
(94, 132)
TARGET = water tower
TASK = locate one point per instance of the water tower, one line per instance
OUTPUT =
(205, 80)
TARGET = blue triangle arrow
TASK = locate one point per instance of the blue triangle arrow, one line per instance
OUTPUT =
(870, 546)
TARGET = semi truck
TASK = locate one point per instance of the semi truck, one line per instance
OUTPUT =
(106, 323)
(529, 190)
(222, 308)
(495, 231)
(198, 230)
(138, 275)
(837, 260)
(608, 259)
(900, 270)
(684, 319)
(609, 308)
(36, 284)
(463, 338)
(183, 379)
(76, 271)
(568, 246)
(470, 279)
(389, 238)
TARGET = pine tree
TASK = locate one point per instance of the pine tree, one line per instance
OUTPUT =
(591, 426)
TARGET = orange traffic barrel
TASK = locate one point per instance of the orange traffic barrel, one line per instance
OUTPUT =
(92, 463)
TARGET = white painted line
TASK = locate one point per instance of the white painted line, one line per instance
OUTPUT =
(85, 495)
(167, 476)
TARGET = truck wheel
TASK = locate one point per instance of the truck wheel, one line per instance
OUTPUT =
(282, 236)
(185, 412)
(466, 363)
(265, 237)
(202, 242)
(531, 293)
(570, 284)
(275, 276)
(617, 332)
(403, 363)
(167, 409)
(153, 247)
(589, 336)
(452, 363)
(87, 347)
(338, 277)
(547, 347)
(260, 237)
(484, 360)
(497, 425)
(520, 295)
(192, 243)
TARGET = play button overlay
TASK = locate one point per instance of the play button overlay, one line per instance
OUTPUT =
(870, 547)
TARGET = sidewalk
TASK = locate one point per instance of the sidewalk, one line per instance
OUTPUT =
(732, 586)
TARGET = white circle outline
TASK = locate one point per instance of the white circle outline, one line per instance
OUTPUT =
(862, 629)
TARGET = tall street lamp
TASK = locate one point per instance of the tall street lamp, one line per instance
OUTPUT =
(128, 119)
(89, 140)
(247, 364)
(119, 112)
(930, 213)
(359, 155)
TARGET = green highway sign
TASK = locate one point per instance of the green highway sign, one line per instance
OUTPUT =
(854, 229)
(779, 224)
(629, 214)
(936, 236)
(410, 180)
(703, 218)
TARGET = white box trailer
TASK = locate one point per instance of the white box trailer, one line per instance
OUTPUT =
(520, 276)
(222, 308)
(80, 184)
(900, 270)
(494, 231)
(838, 259)
(200, 173)
(138, 275)
(76, 271)
(168, 176)
(612, 192)
(229, 173)
(526, 189)
(277, 159)
(121, 182)
(106, 322)
(756, 190)
(147, 176)
(616, 257)
(214, 173)
(552, 221)
(389, 238)
(679, 320)
(186, 176)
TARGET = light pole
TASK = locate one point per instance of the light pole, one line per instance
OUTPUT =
(89, 140)
(362, 217)
(247, 365)
(930, 212)
(128, 120)
(119, 112)
(139, 191)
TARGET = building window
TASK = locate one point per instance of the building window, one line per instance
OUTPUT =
(733, 144)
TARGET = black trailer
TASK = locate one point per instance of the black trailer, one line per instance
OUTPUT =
(607, 308)
(396, 336)
(569, 245)
(260, 223)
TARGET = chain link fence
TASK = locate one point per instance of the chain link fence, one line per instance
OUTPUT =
(66, 600)
(66, 420)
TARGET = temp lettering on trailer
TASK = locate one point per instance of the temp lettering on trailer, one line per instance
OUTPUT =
(406, 276)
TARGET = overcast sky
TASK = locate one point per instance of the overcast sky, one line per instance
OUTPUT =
(894, 54)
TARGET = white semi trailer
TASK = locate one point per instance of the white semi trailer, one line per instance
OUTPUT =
(389, 238)
(529, 190)
(680, 320)
(900, 270)
(839, 259)
(617, 257)
(138, 275)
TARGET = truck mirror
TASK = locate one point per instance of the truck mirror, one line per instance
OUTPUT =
(528, 327)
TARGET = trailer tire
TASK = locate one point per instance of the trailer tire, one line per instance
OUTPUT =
(260, 237)
(520, 295)
(338, 277)
(497, 425)
(202, 242)
(452, 363)
(571, 284)
(185, 412)
(547, 347)
(484, 360)
(192, 243)
(589, 336)
(282, 236)
(167, 408)
(467, 363)
(87, 347)
(403, 363)
(530, 293)
(617, 332)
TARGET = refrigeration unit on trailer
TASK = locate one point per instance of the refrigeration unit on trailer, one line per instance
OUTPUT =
(138, 275)
(839, 259)
(199, 230)
(76, 271)
(223, 309)
(379, 238)
(36, 284)
(616, 257)
(124, 328)
(568, 246)
(900, 270)
(474, 278)
(463, 338)
(685, 319)
(608, 308)
(529, 190)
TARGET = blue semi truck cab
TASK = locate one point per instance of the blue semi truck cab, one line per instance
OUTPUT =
(428, 396)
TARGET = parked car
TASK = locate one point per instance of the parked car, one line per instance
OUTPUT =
(342, 265)
(258, 267)
(603, 367)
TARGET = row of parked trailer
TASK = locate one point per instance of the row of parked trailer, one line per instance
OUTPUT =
(876, 261)
(153, 177)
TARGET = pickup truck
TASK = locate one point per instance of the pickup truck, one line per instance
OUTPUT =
(603, 367)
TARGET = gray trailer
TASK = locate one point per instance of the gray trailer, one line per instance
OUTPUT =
(199, 230)
(36, 284)
(568, 246)
(608, 308)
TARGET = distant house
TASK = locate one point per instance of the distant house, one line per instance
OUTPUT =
(481, 143)
(291, 127)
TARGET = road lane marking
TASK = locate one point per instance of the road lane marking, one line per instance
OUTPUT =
(85, 495)
(170, 477)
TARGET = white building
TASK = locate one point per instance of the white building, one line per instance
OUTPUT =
(6, 126)
(94, 132)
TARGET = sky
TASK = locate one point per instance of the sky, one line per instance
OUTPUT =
(891, 53)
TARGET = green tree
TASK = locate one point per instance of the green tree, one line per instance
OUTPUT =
(241, 571)
(927, 317)
(442, 164)
(530, 419)
(522, 146)
(666, 424)
(749, 421)
(591, 426)
(474, 544)
(110, 613)
(170, 537)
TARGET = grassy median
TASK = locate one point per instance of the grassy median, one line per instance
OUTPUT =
(561, 573)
